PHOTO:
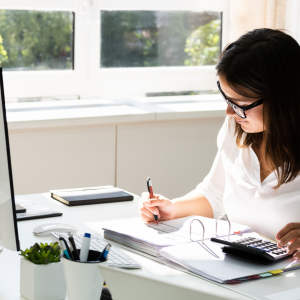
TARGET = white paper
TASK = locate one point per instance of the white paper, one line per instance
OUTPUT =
(31, 208)
(174, 232)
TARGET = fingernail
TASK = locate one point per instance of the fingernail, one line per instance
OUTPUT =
(156, 211)
(148, 202)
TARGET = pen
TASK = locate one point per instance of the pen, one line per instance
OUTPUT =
(85, 247)
(150, 190)
(66, 249)
(73, 247)
(104, 253)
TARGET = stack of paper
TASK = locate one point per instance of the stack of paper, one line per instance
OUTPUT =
(151, 238)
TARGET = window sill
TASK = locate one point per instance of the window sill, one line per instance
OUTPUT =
(34, 115)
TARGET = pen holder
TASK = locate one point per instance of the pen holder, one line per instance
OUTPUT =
(83, 279)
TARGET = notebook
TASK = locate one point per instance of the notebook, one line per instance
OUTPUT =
(91, 195)
(151, 238)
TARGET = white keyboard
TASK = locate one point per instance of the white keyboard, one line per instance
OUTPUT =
(116, 258)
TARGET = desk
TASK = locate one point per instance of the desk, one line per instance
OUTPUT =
(90, 218)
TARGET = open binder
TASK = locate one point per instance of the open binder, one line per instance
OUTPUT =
(151, 238)
(182, 244)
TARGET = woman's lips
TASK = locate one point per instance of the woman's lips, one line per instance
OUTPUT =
(240, 121)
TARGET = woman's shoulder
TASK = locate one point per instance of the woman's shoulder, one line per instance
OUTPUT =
(226, 136)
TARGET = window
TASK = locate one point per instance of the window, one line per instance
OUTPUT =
(159, 38)
(36, 40)
(110, 48)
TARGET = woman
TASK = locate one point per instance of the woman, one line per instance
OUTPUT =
(255, 176)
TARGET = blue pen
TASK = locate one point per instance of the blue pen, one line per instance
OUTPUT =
(104, 253)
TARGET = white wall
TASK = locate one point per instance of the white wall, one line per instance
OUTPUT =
(175, 154)
(62, 158)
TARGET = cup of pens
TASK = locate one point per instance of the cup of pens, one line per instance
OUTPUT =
(82, 275)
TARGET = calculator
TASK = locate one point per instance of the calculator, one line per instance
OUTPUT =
(253, 247)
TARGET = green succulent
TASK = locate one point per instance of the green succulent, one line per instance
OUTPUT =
(42, 254)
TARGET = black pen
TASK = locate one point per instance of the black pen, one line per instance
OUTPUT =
(150, 190)
(73, 247)
(67, 247)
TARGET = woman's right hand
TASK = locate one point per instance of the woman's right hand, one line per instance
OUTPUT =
(159, 205)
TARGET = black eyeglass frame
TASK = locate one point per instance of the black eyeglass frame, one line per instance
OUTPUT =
(233, 105)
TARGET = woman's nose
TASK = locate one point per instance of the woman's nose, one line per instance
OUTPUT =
(229, 111)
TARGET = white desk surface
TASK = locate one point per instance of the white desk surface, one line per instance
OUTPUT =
(91, 218)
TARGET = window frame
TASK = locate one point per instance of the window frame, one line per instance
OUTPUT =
(87, 79)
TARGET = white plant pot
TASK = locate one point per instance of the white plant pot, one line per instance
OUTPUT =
(42, 282)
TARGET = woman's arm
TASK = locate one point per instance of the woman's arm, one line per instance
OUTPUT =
(193, 203)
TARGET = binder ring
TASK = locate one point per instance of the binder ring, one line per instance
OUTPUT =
(202, 227)
(226, 218)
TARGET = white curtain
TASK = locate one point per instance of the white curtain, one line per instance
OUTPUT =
(246, 15)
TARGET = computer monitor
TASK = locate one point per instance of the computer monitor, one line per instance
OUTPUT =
(9, 237)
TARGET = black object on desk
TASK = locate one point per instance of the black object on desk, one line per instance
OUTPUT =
(106, 295)
(20, 209)
(254, 249)
(91, 196)
(27, 216)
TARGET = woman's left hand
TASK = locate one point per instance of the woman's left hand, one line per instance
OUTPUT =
(290, 235)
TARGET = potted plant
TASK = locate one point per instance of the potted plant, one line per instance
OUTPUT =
(42, 274)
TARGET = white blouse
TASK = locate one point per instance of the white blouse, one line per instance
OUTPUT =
(233, 186)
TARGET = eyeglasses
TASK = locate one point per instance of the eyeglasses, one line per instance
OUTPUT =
(240, 111)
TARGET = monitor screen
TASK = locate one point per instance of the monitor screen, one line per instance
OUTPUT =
(9, 237)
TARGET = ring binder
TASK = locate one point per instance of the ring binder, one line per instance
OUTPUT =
(202, 227)
(226, 218)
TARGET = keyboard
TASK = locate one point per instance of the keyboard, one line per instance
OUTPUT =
(256, 245)
(116, 258)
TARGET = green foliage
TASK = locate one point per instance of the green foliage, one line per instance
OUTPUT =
(37, 39)
(149, 38)
(203, 45)
(3, 53)
(42, 254)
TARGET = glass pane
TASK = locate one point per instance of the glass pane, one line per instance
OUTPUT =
(36, 40)
(159, 38)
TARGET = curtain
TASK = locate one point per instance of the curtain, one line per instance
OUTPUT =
(246, 15)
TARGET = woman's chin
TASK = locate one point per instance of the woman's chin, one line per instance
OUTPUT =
(250, 129)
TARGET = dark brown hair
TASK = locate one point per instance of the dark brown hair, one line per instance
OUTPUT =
(267, 62)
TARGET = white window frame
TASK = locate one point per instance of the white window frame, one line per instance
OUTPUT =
(88, 79)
